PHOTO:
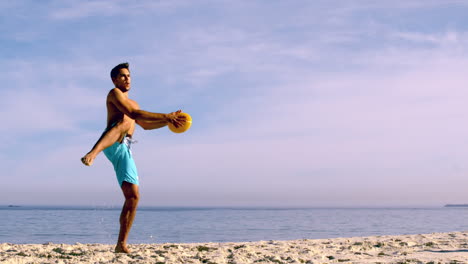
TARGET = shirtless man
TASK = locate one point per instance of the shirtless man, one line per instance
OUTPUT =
(122, 114)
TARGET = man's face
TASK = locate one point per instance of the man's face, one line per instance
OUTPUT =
(123, 80)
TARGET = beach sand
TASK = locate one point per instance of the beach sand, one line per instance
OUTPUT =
(427, 248)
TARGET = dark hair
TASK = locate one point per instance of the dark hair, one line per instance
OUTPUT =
(115, 71)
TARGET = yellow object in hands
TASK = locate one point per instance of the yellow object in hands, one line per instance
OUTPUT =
(185, 126)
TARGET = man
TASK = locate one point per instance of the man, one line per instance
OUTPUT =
(122, 114)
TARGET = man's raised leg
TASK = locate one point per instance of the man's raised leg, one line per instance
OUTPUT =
(106, 140)
(132, 196)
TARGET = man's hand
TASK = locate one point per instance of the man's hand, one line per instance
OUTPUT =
(88, 159)
(175, 119)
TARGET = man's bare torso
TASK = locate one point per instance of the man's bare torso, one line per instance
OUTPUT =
(114, 116)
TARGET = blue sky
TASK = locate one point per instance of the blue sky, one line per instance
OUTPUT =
(294, 103)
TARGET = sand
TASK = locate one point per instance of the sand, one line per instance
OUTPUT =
(426, 248)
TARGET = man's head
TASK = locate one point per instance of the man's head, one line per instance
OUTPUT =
(120, 76)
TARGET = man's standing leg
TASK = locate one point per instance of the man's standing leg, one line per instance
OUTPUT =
(132, 196)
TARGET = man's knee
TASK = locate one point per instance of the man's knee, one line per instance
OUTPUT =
(131, 201)
(133, 196)
(130, 191)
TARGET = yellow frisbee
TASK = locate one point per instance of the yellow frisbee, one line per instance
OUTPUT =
(184, 127)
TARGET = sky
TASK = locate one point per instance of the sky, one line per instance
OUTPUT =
(294, 103)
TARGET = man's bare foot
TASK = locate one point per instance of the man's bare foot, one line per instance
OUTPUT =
(88, 159)
(120, 248)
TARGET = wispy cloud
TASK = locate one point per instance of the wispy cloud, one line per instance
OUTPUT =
(76, 10)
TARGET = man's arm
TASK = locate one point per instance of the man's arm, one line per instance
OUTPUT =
(123, 104)
(150, 125)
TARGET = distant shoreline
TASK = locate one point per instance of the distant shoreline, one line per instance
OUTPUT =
(456, 205)
(201, 207)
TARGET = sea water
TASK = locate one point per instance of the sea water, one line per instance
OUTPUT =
(29, 224)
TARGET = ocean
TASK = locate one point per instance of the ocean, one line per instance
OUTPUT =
(69, 225)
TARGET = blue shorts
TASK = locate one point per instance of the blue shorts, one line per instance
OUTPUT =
(120, 156)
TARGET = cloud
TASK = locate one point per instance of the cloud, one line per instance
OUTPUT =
(385, 124)
(83, 9)
(48, 97)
